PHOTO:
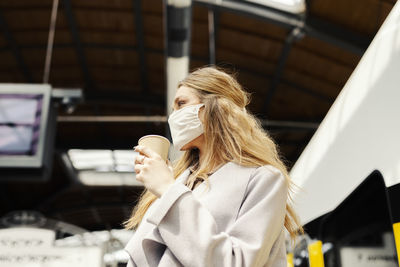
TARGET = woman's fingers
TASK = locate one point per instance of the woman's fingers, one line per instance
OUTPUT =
(153, 171)
(138, 175)
(137, 168)
(139, 159)
(147, 152)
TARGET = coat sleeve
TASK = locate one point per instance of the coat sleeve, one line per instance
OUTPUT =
(191, 233)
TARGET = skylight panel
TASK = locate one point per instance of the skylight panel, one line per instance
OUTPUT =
(291, 6)
(103, 160)
(104, 167)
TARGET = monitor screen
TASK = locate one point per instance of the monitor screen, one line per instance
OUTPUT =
(23, 121)
(20, 123)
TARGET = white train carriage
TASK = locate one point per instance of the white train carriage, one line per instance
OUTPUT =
(349, 173)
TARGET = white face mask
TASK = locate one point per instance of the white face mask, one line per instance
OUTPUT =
(185, 125)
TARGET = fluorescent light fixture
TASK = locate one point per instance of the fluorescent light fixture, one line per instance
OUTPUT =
(291, 6)
(104, 167)
(103, 160)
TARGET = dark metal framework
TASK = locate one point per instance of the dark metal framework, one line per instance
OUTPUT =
(299, 25)
(140, 44)
(294, 35)
(312, 27)
(12, 44)
(155, 99)
(142, 100)
(80, 50)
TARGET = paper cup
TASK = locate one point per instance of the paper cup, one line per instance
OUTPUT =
(157, 143)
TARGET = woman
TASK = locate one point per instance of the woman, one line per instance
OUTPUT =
(226, 201)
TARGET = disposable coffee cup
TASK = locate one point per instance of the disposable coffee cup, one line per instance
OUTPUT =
(157, 143)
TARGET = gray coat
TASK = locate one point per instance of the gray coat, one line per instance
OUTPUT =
(235, 220)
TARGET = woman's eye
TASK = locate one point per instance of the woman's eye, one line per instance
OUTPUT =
(180, 103)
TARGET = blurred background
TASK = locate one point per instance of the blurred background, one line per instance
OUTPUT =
(102, 67)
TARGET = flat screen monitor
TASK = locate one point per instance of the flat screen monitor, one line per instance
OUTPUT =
(25, 110)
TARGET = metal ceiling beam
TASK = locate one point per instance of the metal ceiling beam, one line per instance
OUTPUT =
(73, 27)
(109, 95)
(120, 100)
(91, 46)
(118, 119)
(294, 35)
(271, 15)
(163, 119)
(12, 44)
(321, 30)
(137, 4)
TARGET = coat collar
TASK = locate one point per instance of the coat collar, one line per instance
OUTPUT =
(185, 175)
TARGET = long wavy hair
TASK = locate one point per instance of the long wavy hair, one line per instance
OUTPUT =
(231, 134)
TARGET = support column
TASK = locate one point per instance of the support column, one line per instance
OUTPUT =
(178, 21)
(178, 16)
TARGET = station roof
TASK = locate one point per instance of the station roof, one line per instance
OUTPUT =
(293, 64)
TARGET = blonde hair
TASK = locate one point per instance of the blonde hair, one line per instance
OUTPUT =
(232, 135)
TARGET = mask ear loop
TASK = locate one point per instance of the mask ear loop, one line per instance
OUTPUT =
(198, 109)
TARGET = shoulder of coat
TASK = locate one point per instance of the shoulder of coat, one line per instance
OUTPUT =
(267, 167)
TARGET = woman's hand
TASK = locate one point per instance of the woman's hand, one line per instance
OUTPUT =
(153, 171)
